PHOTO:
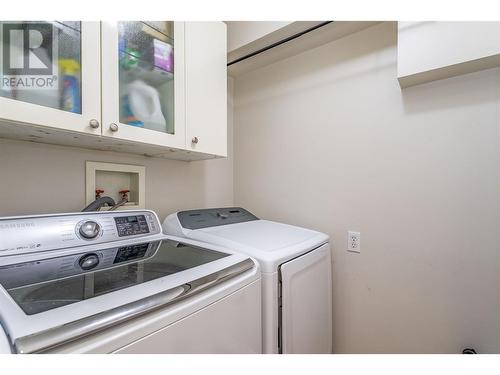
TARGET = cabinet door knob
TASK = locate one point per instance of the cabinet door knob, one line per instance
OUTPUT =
(195, 140)
(94, 124)
(113, 127)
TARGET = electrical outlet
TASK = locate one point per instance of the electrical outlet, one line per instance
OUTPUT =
(354, 241)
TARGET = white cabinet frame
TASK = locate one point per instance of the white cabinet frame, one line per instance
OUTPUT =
(19, 111)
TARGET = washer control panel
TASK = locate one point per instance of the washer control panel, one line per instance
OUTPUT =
(21, 235)
(131, 225)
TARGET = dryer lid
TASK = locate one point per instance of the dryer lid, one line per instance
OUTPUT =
(269, 242)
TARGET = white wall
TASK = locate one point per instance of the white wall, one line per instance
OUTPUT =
(327, 139)
(39, 178)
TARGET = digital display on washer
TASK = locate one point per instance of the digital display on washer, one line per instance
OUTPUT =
(131, 225)
(130, 253)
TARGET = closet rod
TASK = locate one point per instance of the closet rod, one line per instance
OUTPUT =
(295, 36)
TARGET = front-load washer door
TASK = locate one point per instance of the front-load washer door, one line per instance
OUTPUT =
(306, 303)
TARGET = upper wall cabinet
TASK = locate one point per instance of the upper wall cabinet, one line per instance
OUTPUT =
(50, 74)
(206, 87)
(428, 51)
(152, 87)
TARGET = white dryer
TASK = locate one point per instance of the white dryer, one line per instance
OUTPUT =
(296, 273)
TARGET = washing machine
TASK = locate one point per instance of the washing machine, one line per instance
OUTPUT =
(296, 273)
(4, 342)
(112, 282)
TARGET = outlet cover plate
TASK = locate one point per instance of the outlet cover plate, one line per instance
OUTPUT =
(354, 241)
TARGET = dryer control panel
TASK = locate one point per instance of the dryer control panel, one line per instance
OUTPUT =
(212, 217)
(29, 234)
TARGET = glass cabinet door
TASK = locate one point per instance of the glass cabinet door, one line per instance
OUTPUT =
(146, 66)
(143, 81)
(41, 63)
(41, 79)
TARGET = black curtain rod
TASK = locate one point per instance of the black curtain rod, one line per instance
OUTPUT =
(295, 36)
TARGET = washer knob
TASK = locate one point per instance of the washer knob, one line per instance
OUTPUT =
(89, 229)
(88, 261)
